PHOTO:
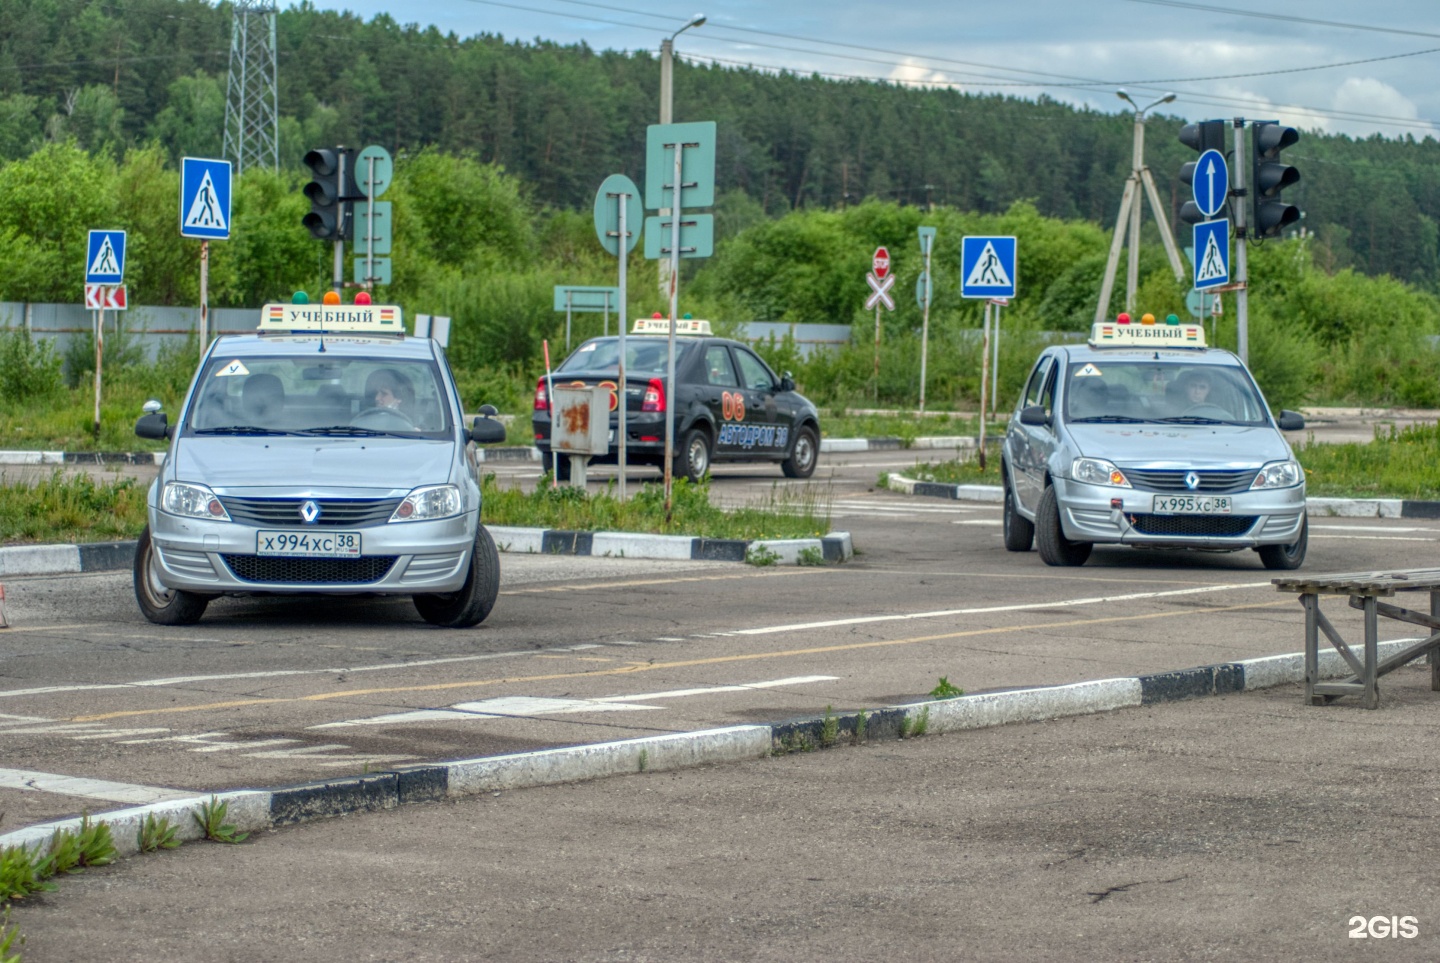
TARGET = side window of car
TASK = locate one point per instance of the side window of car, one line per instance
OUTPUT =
(719, 369)
(1037, 382)
(756, 376)
(1047, 389)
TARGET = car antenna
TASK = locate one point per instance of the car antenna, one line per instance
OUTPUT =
(1157, 354)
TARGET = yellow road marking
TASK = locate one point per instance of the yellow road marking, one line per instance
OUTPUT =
(649, 666)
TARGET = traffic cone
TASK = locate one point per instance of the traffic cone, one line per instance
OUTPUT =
(3, 623)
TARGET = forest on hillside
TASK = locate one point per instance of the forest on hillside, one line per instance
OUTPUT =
(113, 75)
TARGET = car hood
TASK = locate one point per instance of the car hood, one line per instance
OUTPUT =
(1180, 446)
(275, 461)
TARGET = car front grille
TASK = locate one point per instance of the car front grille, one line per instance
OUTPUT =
(315, 571)
(334, 512)
(1198, 526)
(1212, 481)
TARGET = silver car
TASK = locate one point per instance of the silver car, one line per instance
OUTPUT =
(1145, 437)
(321, 462)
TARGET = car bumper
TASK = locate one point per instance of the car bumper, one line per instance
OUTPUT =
(1256, 518)
(402, 558)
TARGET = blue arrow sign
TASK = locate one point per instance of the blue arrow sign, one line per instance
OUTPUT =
(204, 198)
(1212, 254)
(105, 258)
(987, 267)
(1211, 183)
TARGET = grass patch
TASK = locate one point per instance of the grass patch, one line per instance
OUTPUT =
(964, 470)
(907, 427)
(1399, 463)
(784, 513)
(70, 509)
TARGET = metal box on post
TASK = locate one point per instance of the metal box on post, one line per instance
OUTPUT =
(580, 426)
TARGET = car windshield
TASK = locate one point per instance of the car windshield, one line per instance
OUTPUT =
(1169, 392)
(643, 356)
(305, 396)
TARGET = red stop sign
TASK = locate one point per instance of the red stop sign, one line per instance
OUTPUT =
(881, 262)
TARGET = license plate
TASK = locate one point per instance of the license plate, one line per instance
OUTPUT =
(1192, 505)
(308, 544)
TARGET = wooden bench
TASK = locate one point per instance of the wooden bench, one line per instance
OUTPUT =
(1365, 590)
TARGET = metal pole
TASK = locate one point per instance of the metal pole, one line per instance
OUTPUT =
(877, 353)
(995, 365)
(622, 397)
(667, 104)
(204, 297)
(984, 377)
(605, 331)
(1132, 268)
(370, 224)
(338, 282)
(568, 295)
(1242, 276)
(99, 321)
(925, 330)
(670, 390)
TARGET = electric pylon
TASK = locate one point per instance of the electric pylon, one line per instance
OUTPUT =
(252, 117)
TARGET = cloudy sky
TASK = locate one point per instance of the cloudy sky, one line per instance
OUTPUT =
(1341, 67)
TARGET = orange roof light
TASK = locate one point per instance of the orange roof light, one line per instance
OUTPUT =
(331, 297)
(1148, 318)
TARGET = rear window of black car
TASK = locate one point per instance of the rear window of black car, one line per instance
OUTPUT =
(642, 356)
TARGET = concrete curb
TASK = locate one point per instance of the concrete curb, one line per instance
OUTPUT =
(253, 810)
(1331, 507)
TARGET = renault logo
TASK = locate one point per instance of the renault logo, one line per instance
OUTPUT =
(310, 510)
(1192, 480)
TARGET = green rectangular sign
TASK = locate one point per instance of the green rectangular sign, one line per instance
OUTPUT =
(379, 270)
(697, 235)
(697, 165)
(380, 240)
(586, 300)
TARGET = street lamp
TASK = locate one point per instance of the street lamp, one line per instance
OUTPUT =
(667, 110)
(1139, 181)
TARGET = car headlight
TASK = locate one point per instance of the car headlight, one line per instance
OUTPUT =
(193, 501)
(428, 504)
(1098, 471)
(1279, 474)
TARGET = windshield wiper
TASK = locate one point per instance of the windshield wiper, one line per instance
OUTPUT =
(350, 430)
(1194, 420)
(244, 430)
(1109, 420)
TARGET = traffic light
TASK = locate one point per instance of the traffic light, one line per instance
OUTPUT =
(332, 180)
(1206, 135)
(1269, 176)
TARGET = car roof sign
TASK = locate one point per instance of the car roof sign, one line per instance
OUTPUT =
(662, 326)
(354, 318)
(1115, 334)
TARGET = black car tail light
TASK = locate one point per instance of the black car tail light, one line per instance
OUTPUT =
(542, 400)
(654, 396)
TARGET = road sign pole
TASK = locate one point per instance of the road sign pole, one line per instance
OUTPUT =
(622, 393)
(984, 378)
(675, 209)
(925, 330)
(370, 224)
(204, 297)
(98, 317)
(877, 353)
(1242, 275)
(568, 296)
(338, 283)
(995, 362)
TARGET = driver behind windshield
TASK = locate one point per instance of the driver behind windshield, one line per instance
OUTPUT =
(388, 388)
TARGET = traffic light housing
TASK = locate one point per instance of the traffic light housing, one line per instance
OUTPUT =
(1269, 176)
(1206, 135)
(332, 180)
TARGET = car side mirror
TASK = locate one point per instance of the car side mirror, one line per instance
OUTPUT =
(1034, 415)
(1290, 421)
(486, 430)
(787, 382)
(155, 425)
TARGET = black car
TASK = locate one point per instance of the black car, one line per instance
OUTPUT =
(729, 406)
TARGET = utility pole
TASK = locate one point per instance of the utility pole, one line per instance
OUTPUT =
(252, 124)
(667, 111)
(1140, 178)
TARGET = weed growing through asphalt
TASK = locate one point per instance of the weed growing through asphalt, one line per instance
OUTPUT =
(211, 818)
(810, 556)
(155, 834)
(10, 939)
(945, 690)
(644, 759)
(857, 735)
(761, 556)
(97, 846)
(23, 871)
(917, 726)
(829, 729)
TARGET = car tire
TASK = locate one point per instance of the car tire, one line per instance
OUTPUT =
(162, 605)
(1019, 530)
(692, 458)
(1055, 548)
(476, 598)
(557, 468)
(1285, 558)
(804, 454)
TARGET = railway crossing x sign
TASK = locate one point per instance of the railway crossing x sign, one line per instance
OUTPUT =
(880, 291)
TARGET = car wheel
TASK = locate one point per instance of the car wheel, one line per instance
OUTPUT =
(801, 463)
(1055, 548)
(1287, 557)
(476, 598)
(692, 460)
(557, 468)
(1019, 531)
(161, 604)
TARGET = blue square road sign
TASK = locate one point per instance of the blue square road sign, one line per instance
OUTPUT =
(105, 258)
(204, 198)
(1212, 254)
(987, 267)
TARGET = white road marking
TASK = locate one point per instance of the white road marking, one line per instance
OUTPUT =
(1058, 603)
(978, 521)
(1371, 528)
(505, 707)
(121, 792)
(1377, 538)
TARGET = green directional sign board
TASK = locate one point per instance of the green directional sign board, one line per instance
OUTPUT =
(378, 273)
(376, 230)
(607, 213)
(696, 143)
(373, 170)
(697, 235)
(586, 299)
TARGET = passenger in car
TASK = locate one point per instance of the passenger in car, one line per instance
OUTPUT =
(262, 399)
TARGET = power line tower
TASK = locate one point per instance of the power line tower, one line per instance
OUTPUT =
(252, 116)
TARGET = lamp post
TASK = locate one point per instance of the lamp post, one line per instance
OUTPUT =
(1139, 179)
(667, 110)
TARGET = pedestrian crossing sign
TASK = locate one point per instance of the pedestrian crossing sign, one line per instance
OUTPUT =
(987, 267)
(1212, 254)
(105, 258)
(205, 198)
